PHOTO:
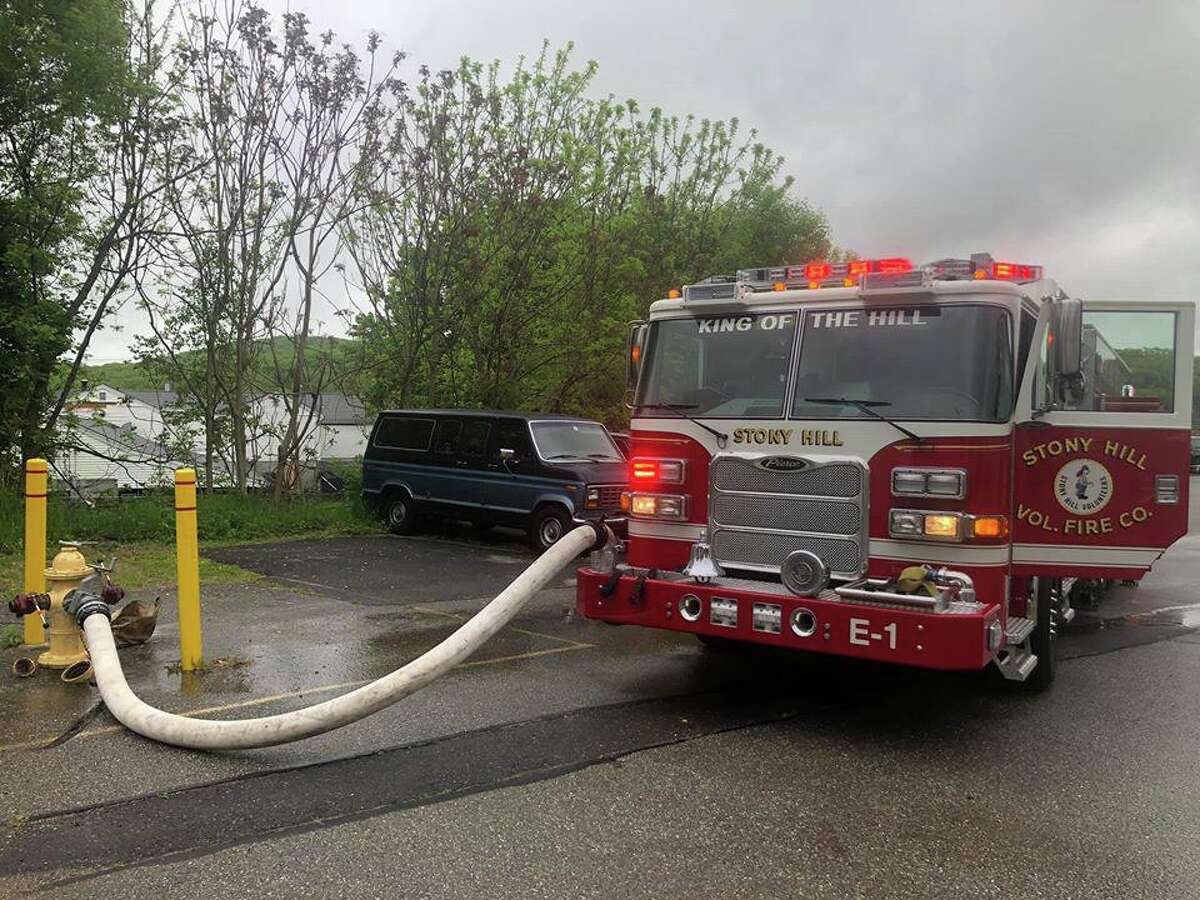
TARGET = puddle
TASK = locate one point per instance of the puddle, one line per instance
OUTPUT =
(1185, 616)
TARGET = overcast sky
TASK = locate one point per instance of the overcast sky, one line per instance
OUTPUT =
(1060, 133)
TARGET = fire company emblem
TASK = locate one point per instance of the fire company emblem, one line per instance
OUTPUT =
(1083, 487)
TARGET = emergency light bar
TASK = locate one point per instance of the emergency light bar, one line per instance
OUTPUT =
(868, 274)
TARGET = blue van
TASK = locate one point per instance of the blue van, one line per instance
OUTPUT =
(539, 472)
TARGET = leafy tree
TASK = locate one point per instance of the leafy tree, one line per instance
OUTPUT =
(64, 81)
(513, 227)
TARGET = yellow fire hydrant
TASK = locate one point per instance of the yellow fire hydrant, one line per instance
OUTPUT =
(66, 641)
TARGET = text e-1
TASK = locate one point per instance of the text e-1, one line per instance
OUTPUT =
(862, 635)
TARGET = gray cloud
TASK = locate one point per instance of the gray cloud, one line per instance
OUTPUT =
(1062, 133)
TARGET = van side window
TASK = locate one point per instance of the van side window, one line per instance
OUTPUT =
(445, 439)
(474, 438)
(513, 434)
(400, 433)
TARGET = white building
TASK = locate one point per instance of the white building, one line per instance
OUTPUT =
(334, 427)
(101, 454)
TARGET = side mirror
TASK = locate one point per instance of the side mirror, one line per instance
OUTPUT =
(1066, 336)
(633, 354)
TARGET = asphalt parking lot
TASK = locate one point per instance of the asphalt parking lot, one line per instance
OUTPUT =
(570, 758)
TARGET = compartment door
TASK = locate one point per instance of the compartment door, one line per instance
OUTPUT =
(1101, 482)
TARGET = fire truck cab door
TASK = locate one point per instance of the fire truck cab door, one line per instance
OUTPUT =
(1101, 477)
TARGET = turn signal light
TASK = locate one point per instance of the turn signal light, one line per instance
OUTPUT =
(944, 526)
(989, 526)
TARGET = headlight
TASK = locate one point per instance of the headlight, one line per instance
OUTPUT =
(947, 526)
(935, 525)
(658, 506)
(948, 483)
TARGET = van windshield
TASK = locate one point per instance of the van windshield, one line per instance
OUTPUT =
(916, 362)
(565, 441)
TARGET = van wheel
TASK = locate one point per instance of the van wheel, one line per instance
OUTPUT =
(400, 514)
(1043, 640)
(548, 526)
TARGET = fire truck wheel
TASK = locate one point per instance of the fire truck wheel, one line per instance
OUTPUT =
(400, 513)
(548, 525)
(1043, 641)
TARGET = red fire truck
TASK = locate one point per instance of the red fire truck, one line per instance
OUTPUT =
(913, 464)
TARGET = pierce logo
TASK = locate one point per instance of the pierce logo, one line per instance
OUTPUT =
(782, 463)
(1083, 486)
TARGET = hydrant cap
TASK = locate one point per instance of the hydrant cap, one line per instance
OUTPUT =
(68, 565)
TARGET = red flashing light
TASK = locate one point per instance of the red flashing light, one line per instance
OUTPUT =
(858, 267)
(894, 265)
(643, 470)
(1007, 271)
(817, 271)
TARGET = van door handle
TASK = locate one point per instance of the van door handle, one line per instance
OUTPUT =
(460, 462)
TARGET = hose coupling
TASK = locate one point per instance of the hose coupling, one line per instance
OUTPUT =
(604, 534)
(83, 604)
(26, 604)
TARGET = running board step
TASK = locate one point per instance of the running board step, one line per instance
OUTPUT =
(1019, 629)
(1016, 665)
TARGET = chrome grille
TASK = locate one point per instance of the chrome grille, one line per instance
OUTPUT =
(771, 549)
(787, 514)
(757, 516)
(731, 473)
(610, 496)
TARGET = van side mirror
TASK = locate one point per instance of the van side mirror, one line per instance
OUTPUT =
(1066, 348)
(633, 354)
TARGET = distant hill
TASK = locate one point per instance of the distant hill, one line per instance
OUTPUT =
(128, 376)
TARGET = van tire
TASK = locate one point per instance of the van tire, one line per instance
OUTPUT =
(400, 513)
(548, 525)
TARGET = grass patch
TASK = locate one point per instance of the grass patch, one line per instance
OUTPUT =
(11, 636)
(140, 531)
(139, 565)
(224, 519)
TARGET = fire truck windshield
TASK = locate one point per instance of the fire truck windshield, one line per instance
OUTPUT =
(720, 366)
(950, 362)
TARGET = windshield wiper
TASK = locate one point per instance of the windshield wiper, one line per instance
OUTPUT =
(681, 411)
(867, 406)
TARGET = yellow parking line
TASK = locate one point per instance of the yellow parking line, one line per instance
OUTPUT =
(42, 743)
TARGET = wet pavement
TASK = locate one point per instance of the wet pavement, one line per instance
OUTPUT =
(569, 758)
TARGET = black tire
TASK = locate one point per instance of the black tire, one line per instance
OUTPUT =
(548, 525)
(400, 514)
(1043, 640)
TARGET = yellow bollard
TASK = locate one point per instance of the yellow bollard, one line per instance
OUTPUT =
(187, 551)
(36, 489)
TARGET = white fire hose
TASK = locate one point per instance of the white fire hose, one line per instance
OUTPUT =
(243, 734)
